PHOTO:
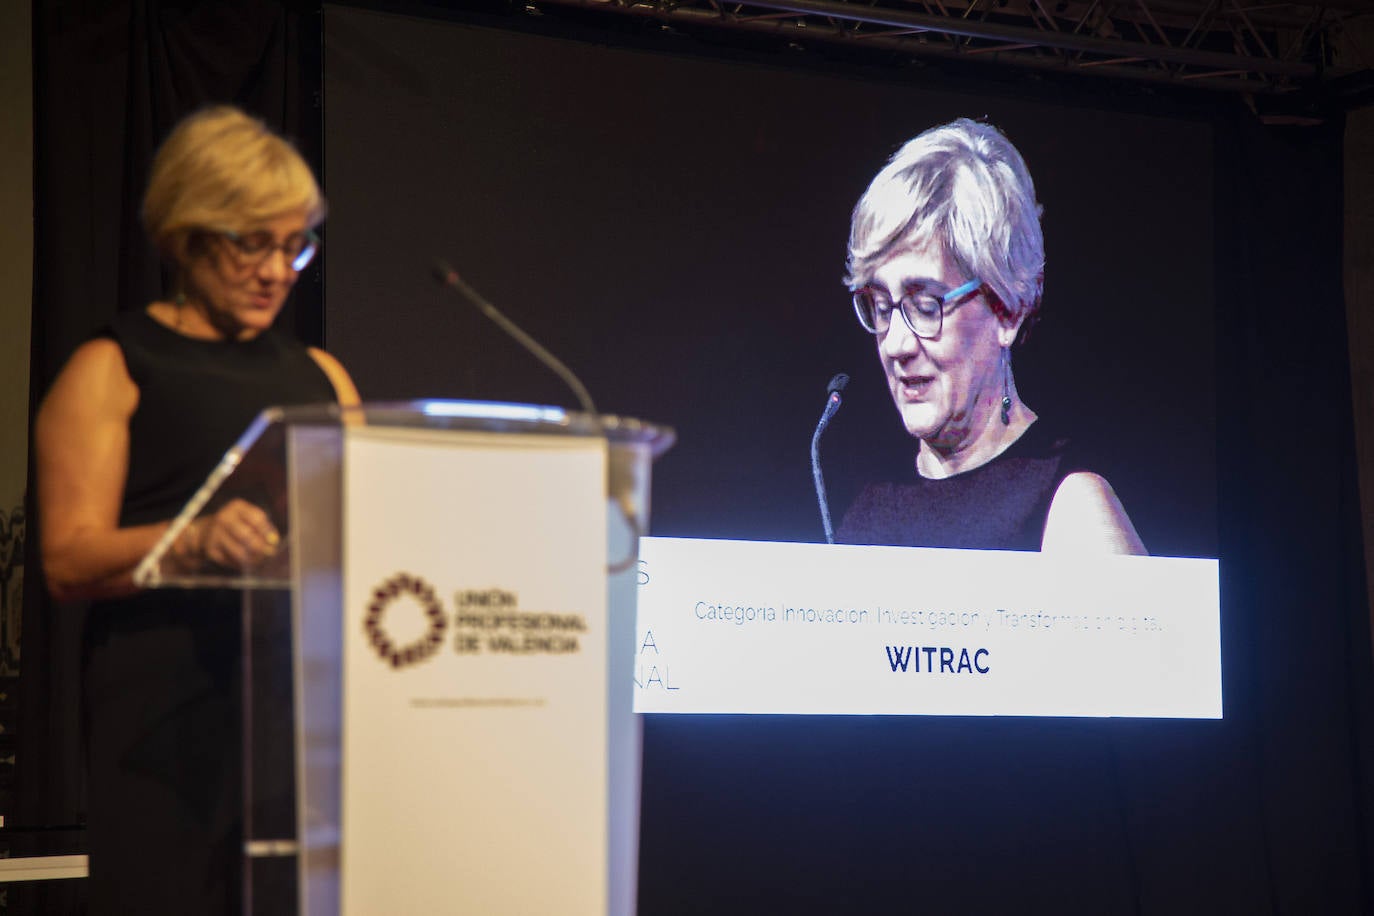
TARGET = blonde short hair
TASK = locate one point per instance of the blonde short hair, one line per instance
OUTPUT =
(964, 186)
(220, 169)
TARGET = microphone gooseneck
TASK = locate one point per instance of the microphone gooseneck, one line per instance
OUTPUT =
(622, 495)
(832, 404)
(450, 278)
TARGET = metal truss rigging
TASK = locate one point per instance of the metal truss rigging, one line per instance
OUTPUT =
(1255, 47)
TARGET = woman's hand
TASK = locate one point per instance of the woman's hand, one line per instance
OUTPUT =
(239, 535)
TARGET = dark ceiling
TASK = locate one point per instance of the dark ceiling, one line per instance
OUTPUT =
(1294, 61)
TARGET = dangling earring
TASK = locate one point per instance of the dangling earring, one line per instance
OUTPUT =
(1006, 387)
(178, 308)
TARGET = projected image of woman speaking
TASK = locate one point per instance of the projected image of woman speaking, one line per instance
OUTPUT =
(946, 268)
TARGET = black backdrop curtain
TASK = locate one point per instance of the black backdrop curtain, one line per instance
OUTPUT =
(110, 80)
(1295, 628)
(1297, 744)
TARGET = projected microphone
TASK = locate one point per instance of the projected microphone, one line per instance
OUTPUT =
(832, 404)
(449, 277)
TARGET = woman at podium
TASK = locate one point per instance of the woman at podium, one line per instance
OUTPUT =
(945, 270)
(132, 426)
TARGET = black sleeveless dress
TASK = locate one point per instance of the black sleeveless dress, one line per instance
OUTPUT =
(161, 675)
(1001, 505)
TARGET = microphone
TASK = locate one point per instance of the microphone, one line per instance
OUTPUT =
(617, 490)
(450, 278)
(832, 404)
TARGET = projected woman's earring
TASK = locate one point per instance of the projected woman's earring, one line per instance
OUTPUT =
(1006, 387)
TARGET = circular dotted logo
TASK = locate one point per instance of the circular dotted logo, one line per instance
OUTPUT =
(383, 596)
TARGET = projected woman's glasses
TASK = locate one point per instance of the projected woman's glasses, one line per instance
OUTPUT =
(922, 311)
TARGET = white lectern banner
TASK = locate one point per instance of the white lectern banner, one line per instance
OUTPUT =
(765, 627)
(474, 776)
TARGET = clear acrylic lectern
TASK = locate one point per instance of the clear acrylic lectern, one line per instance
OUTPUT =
(299, 720)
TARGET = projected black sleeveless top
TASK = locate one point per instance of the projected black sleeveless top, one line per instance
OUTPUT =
(1001, 505)
(195, 398)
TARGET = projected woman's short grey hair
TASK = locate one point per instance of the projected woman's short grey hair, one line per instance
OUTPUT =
(964, 186)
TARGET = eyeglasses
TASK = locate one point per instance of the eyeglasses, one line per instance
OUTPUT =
(923, 312)
(255, 247)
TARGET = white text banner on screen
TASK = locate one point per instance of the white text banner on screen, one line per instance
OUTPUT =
(767, 627)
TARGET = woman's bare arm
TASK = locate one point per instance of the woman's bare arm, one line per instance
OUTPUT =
(344, 389)
(81, 438)
(1086, 517)
(81, 441)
